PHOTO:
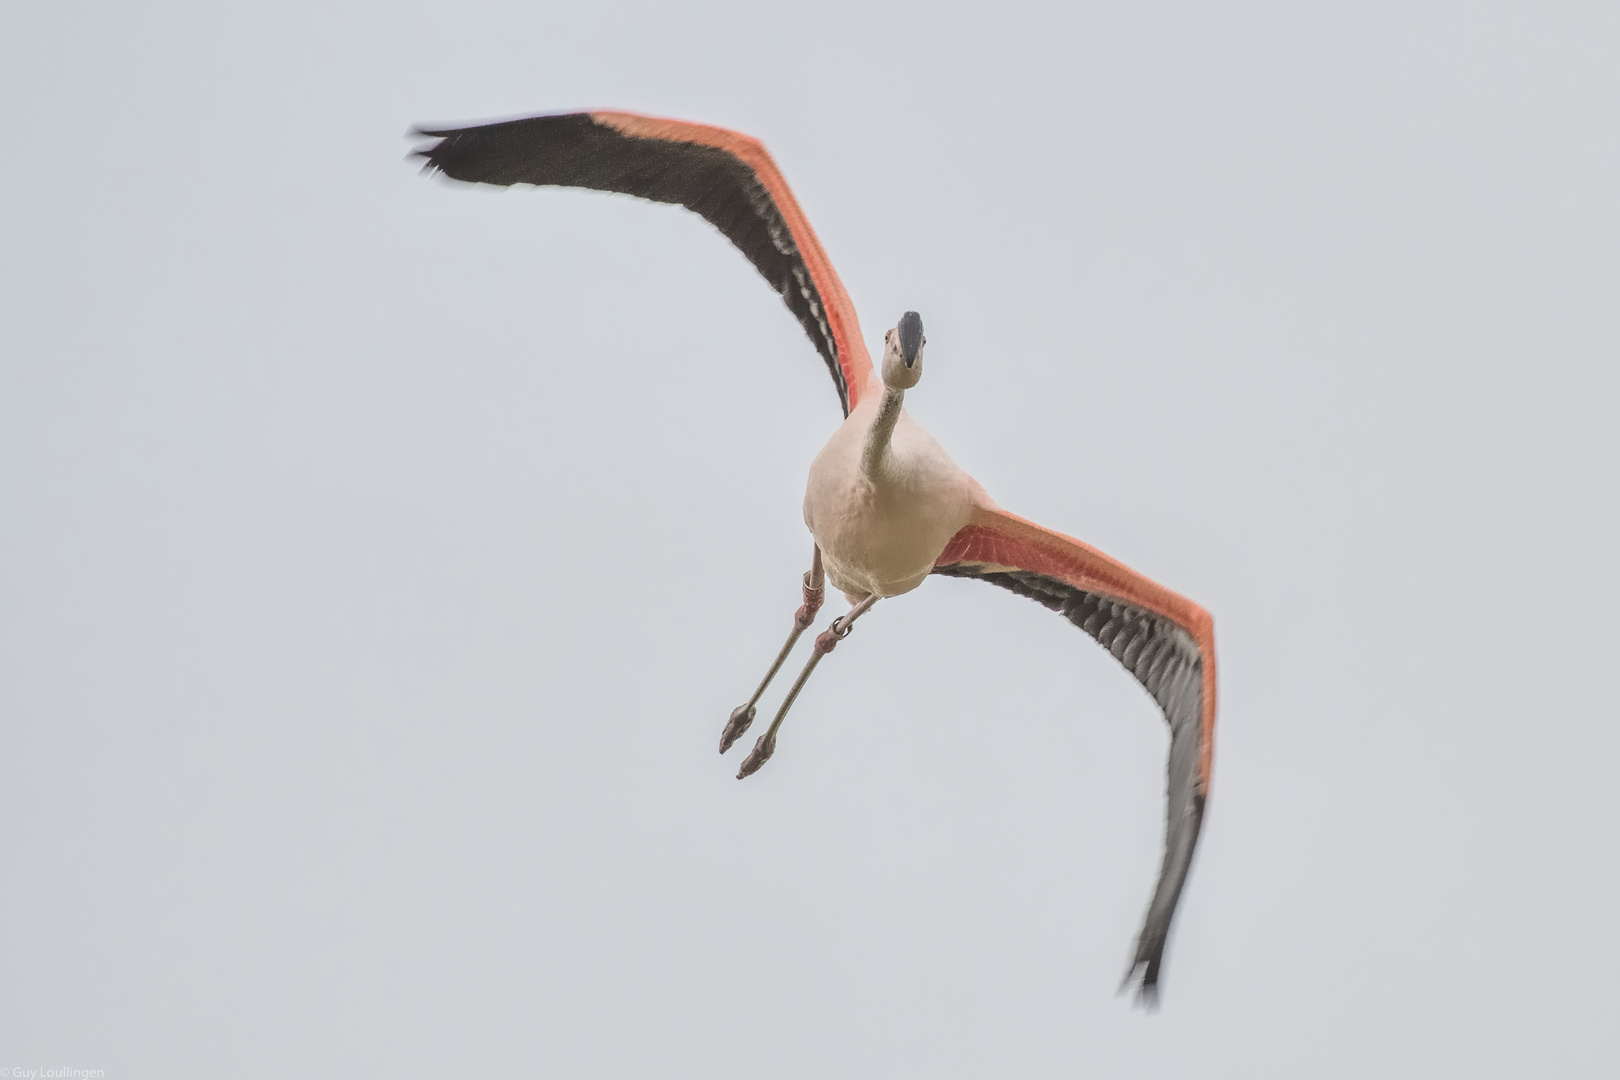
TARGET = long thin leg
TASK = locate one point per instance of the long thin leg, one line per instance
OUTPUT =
(826, 641)
(815, 590)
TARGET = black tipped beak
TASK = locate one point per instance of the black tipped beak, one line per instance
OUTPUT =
(911, 337)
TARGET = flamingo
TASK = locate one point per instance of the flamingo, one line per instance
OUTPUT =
(885, 505)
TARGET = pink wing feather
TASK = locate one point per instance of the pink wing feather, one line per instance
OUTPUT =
(1163, 639)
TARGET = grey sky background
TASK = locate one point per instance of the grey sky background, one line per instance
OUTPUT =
(380, 557)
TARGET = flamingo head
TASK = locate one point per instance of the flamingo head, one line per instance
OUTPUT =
(902, 352)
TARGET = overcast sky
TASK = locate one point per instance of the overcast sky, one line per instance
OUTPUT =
(380, 557)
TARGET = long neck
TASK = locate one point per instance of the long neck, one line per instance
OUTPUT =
(881, 431)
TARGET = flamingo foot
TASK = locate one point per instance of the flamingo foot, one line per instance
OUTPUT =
(741, 717)
(759, 755)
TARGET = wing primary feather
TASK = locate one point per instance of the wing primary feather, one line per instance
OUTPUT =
(724, 177)
(1165, 659)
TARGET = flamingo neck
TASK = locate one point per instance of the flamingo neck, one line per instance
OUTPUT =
(881, 431)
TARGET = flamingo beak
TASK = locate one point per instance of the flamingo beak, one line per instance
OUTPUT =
(911, 337)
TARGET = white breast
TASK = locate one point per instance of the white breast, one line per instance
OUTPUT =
(881, 534)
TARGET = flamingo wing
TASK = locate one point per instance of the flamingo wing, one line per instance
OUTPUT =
(726, 177)
(1163, 639)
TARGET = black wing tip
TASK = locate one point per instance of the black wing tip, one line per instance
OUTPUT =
(457, 149)
(428, 152)
(1146, 989)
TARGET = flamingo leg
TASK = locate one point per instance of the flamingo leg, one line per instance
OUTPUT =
(815, 590)
(826, 641)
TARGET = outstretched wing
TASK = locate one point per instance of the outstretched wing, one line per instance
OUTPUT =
(1165, 640)
(726, 177)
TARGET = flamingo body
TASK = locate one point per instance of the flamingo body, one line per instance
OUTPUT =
(881, 533)
(886, 505)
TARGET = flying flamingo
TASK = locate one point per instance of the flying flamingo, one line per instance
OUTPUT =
(885, 505)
